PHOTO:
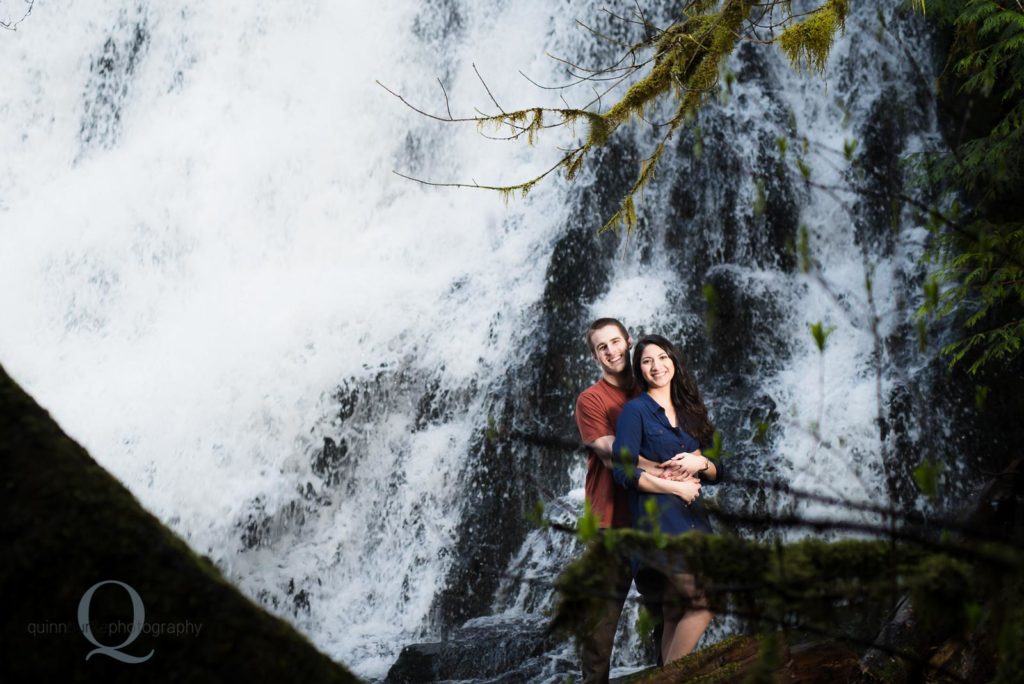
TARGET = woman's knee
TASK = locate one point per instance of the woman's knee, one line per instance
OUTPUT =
(686, 585)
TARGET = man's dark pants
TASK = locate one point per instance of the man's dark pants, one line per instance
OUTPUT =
(596, 647)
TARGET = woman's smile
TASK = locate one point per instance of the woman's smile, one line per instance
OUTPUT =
(656, 366)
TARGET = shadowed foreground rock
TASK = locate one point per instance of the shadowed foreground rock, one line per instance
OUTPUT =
(67, 525)
(740, 659)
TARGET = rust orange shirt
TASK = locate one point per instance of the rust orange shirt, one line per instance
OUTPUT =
(597, 410)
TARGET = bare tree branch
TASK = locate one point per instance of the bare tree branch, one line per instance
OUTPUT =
(13, 25)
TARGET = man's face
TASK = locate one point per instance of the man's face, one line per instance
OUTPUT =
(611, 349)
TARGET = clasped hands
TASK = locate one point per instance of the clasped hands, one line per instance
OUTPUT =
(684, 469)
(682, 466)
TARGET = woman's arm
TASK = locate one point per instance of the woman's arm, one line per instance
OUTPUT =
(687, 490)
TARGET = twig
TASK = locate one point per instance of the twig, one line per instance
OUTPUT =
(500, 188)
(13, 25)
(484, 83)
(446, 103)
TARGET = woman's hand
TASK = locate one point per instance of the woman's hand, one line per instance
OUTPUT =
(690, 463)
(688, 490)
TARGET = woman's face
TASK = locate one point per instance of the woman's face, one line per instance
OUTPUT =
(656, 366)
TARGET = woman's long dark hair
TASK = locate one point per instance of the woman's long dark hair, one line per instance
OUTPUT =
(690, 409)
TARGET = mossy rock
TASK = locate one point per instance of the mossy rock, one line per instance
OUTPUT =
(745, 659)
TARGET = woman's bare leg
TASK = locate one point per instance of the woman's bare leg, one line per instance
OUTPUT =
(688, 628)
(672, 610)
(667, 636)
(687, 633)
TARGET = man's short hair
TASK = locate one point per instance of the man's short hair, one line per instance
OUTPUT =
(603, 323)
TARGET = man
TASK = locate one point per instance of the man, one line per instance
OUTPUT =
(597, 410)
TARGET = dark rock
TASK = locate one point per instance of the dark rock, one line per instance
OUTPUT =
(497, 651)
(110, 82)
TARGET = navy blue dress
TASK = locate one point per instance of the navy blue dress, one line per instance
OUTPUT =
(643, 429)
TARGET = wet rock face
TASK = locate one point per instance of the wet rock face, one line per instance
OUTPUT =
(511, 473)
(578, 273)
(110, 81)
(730, 203)
(879, 213)
(743, 327)
(329, 462)
(483, 652)
(492, 527)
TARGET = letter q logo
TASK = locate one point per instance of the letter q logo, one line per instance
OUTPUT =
(138, 620)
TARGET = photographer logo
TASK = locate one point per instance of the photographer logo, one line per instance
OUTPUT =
(138, 621)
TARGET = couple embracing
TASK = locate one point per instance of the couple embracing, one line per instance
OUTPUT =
(644, 423)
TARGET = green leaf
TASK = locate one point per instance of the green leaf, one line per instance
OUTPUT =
(849, 147)
(611, 540)
(715, 452)
(761, 432)
(652, 516)
(973, 612)
(926, 476)
(931, 293)
(644, 623)
(536, 516)
(821, 334)
(804, 249)
(759, 199)
(980, 396)
(587, 526)
(804, 169)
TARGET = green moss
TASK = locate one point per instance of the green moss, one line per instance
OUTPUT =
(1010, 662)
(600, 130)
(723, 661)
(812, 585)
(807, 44)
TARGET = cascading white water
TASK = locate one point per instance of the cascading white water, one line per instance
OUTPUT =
(202, 238)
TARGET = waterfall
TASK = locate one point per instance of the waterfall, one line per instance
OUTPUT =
(314, 370)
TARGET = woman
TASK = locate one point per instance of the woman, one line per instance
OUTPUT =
(667, 422)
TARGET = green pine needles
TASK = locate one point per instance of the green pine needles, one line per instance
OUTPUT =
(976, 257)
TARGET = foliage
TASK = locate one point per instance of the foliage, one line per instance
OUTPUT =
(684, 60)
(809, 586)
(807, 44)
(977, 255)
